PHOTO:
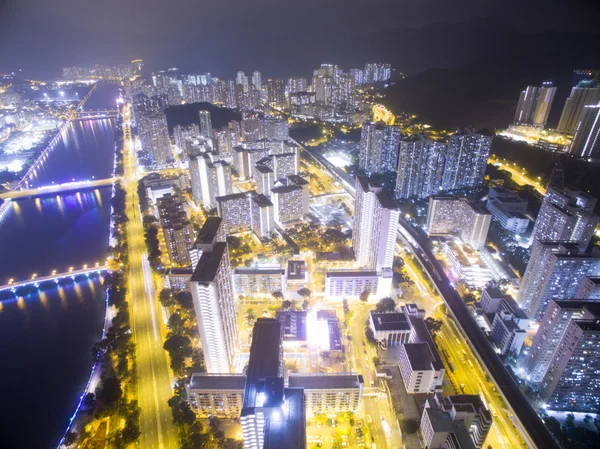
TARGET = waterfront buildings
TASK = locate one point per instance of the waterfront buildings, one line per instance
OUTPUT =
(555, 270)
(212, 293)
(566, 215)
(534, 105)
(375, 226)
(449, 214)
(176, 227)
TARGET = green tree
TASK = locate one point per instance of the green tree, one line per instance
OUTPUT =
(385, 305)
(369, 335)
(166, 298)
(277, 295)
(376, 361)
(364, 296)
(70, 438)
(304, 292)
(109, 390)
(286, 305)
(433, 325)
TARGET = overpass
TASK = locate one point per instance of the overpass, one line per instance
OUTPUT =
(58, 188)
(35, 281)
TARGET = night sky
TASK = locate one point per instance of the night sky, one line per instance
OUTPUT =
(279, 37)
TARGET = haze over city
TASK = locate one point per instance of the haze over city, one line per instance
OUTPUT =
(290, 225)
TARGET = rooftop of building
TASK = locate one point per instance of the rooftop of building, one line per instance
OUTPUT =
(588, 325)
(440, 420)
(285, 189)
(298, 180)
(293, 323)
(264, 169)
(208, 264)
(259, 270)
(325, 381)
(262, 201)
(234, 196)
(265, 350)
(386, 200)
(205, 381)
(419, 356)
(296, 270)
(394, 321)
(423, 335)
(180, 271)
(350, 273)
(209, 231)
(286, 428)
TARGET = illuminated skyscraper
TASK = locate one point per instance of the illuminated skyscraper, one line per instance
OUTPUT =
(242, 80)
(377, 72)
(378, 148)
(582, 95)
(566, 215)
(256, 80)
(586, 141)
(214, 304)
(555, 270)
(534, 105)
(375, 226)
(177, 229)
(205, 124)
(420, 167)
(297, 84)
(275, 92)
(466, 159)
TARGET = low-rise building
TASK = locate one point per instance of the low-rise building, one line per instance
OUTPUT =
(352, 283)
(179, 278)
(293, 325)
(258, 281)
(390, 329)
(466, 265)
(418, 369)
(506, 333)
(216, 394)
(297, 276)
(329, 393)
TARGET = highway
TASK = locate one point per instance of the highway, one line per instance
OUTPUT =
(75, 186)
(518, 176)
(518, 406)
(154, 379)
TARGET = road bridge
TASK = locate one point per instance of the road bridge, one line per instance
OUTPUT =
(36, 281)
(58, 188)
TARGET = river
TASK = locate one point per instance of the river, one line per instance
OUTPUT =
(46, 336)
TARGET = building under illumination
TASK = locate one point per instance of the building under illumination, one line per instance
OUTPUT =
(534, 105)
(177, 229)
(214, 304)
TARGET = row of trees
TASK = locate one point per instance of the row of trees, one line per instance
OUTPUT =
(152, 243)
(115, 353)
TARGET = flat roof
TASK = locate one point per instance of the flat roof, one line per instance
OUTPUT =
(424, 336)
(287, 428)
(394, 321)
(208, 264)
(262, 201)
(263, 168)
(350, 273)
(209, 230)
(293, 323)
(386, 200)
(296, 270)
(285, 189)
(259, 271)
(325, 381)
(297, 179)
(234, 196)
(419, 356)
(205, 381)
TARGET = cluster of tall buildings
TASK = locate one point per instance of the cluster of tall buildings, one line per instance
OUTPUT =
(151, 123)
(99, 71)
(424, 166)
(559, 290)
(580, 117)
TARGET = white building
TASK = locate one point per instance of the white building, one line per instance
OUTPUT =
(418, 368)
(329, 393)
(258, 281)
(214, 305)
(220, 395)
(374, 227)
(352, 283)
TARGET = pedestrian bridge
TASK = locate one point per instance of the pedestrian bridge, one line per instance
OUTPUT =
(36, 281)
